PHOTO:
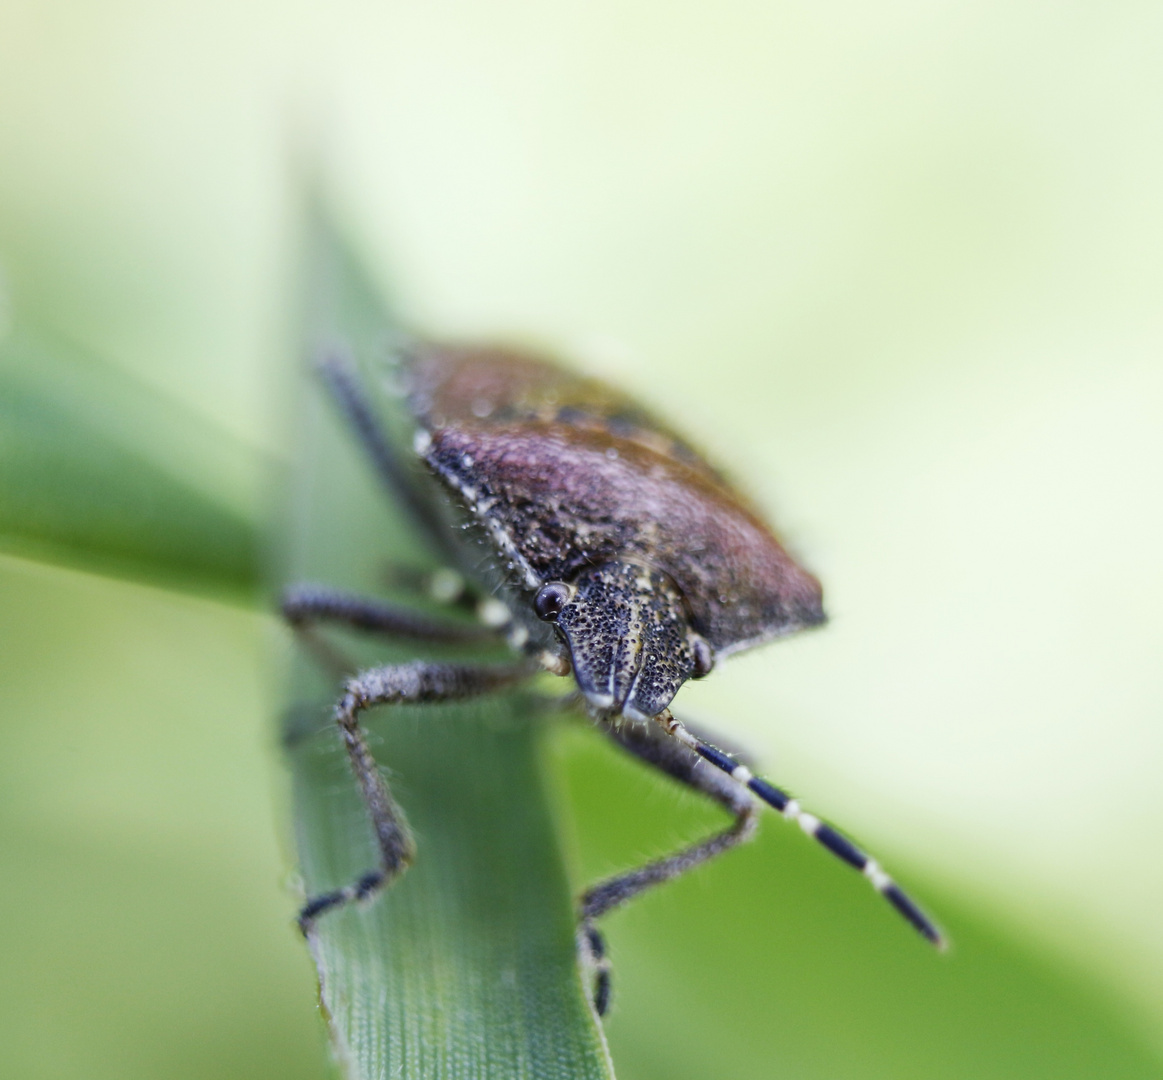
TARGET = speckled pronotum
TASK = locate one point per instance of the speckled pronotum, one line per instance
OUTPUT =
(601, 548)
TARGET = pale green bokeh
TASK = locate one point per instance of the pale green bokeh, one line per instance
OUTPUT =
(145, 901)
(899, 266)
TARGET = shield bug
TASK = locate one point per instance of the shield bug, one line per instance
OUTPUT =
(614, 554)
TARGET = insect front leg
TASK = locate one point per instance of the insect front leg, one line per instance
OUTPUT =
(678, 761)
(827, 836)
(411, 683)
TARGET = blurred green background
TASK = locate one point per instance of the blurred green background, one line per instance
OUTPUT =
(898, 266)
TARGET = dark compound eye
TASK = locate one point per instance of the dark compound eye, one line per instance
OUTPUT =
(704, 658)
(550, 599)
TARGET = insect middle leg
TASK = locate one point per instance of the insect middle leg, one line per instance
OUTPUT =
(653, 747)
(304, 605)
(412, 683)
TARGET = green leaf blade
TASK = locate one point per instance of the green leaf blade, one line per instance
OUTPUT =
(88, 478)
(466, 967)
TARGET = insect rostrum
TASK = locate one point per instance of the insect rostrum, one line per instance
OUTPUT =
(617, 556)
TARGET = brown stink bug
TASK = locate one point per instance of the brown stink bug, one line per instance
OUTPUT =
(615, 554)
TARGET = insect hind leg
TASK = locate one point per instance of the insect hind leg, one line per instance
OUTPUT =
(398, 474)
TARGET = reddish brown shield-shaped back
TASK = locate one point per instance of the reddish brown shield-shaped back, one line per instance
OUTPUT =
(566, 474)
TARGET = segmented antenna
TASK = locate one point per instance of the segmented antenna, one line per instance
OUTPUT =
(836, 842)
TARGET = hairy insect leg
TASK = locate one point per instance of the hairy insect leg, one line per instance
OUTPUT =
(826, 835)
(304, 605)
(411, 683)
(651, 746)
(398, 474)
